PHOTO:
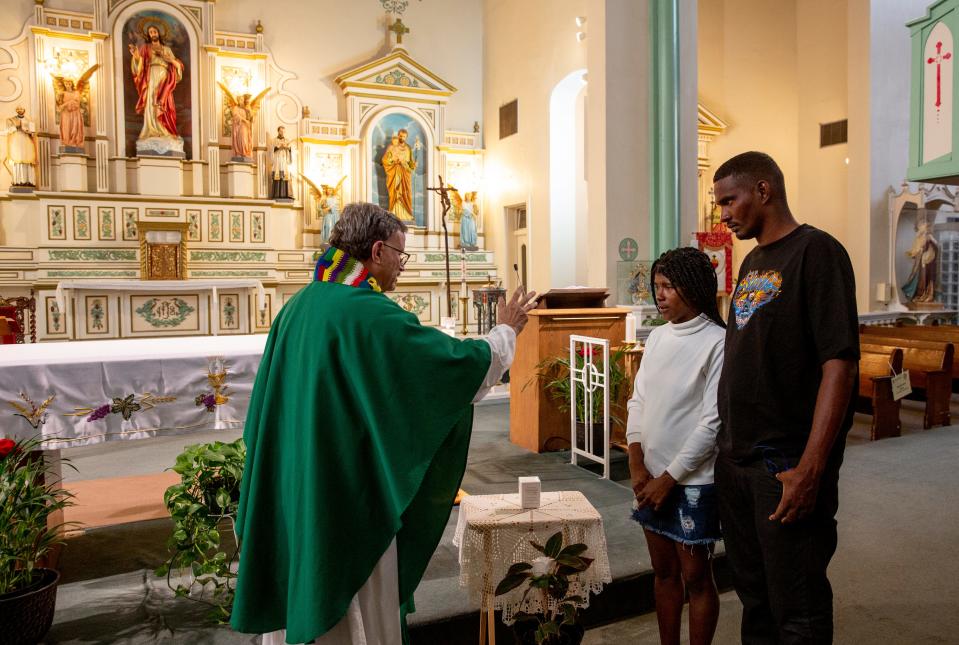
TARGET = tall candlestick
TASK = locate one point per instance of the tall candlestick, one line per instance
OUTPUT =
(463, 292)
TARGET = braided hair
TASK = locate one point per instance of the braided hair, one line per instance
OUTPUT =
(693, 277)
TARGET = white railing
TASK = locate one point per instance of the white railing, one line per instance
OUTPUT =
(589, 378)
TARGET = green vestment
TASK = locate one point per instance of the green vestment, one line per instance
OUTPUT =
(357, 432)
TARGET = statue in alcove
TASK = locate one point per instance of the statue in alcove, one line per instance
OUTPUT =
(71, 98)
(920, 287)
(282, 161)
(22, 156)
(465, 208)
(243, 110)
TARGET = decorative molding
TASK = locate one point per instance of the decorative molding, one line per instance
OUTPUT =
(228, 256)
(253, 273)
(92, 274)
(92, 255)
(168, 313)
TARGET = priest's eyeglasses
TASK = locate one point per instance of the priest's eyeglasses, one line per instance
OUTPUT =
(404, 256)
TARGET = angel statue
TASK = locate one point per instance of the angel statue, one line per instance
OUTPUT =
(242, 110)
(71, 103)
(464, 212)
(329, 201)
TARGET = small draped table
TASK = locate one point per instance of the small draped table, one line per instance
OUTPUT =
(493, 532)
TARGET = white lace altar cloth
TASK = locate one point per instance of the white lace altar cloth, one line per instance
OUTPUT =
(493, 532)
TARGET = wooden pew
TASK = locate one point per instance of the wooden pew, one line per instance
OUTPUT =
(927, 333)
(875, 392)
(930, 372)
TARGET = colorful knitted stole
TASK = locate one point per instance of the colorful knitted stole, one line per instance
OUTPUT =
(337, 265)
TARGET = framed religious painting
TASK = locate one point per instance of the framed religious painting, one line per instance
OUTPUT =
(257, 226)
(718, 246)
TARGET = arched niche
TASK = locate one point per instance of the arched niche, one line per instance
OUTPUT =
(129, 24)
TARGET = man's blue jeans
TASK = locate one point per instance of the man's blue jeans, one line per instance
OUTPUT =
(779, 571)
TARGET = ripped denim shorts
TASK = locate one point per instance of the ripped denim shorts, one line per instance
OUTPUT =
(690, 515)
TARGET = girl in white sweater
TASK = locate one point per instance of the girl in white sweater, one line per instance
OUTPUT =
(671, 432)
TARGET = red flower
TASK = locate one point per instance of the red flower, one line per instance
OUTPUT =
(6, 447)
(585, 351)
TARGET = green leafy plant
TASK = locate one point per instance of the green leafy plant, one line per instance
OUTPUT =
(203, 507)
(27, 498)
(553, 373)
(548, 575)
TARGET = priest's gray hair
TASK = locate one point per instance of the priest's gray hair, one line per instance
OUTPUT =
(362, 224)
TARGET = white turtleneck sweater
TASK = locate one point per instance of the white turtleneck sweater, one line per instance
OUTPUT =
(673, 411)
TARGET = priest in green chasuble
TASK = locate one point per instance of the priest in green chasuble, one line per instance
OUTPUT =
(357, 435)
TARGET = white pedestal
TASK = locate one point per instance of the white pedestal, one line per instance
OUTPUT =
(72, 171)
(159, 175)
(240, 179)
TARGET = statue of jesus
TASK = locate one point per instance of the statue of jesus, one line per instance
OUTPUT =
(156, 72)
(399, 164)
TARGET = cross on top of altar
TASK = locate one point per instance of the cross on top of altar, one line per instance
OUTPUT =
(398, 29)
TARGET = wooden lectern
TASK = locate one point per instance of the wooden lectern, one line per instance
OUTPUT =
(535, 420)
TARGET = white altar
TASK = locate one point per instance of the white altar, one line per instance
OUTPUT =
(75, 394)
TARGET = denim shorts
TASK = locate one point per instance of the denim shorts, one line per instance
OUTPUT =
(690, 515)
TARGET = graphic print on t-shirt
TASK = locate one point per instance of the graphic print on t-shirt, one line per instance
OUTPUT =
(755, 291)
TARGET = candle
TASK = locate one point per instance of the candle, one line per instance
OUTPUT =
(630, 328)
(463, 292)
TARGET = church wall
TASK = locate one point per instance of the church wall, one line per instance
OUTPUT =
(748, 76)
(528, 48)
(821, 192)
(317, 40)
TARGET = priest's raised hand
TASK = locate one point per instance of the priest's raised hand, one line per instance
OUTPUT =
(513, 313)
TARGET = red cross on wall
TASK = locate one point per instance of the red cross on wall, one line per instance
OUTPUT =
(938, 59)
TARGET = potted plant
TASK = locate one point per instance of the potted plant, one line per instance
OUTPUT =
(553, 373)
(28, 591)
(548, 575)
(203, 507)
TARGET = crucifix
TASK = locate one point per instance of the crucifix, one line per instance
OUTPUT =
(398, 28)
(938, 60)
(444, 192)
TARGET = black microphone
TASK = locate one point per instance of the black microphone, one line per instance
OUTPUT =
(519, 281)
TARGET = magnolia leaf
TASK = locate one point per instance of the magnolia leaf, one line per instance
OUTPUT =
(573, 549)
(554, 545)
(518, 567)
(510, 582)
(538, 547)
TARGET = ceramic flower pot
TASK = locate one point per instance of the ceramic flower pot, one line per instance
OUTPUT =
(27, 614)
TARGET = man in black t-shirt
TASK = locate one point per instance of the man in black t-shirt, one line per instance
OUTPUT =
(791, 359)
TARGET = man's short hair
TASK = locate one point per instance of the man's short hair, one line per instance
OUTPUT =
(751, 167)
(362, 224)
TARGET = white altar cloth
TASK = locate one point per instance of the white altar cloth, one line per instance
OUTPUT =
(161, 385)
(494, 531)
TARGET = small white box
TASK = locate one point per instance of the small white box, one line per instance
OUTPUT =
(529, 490)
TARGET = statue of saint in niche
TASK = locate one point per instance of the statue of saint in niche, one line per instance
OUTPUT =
(920, 287)
(156, 72)
(399, 164)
